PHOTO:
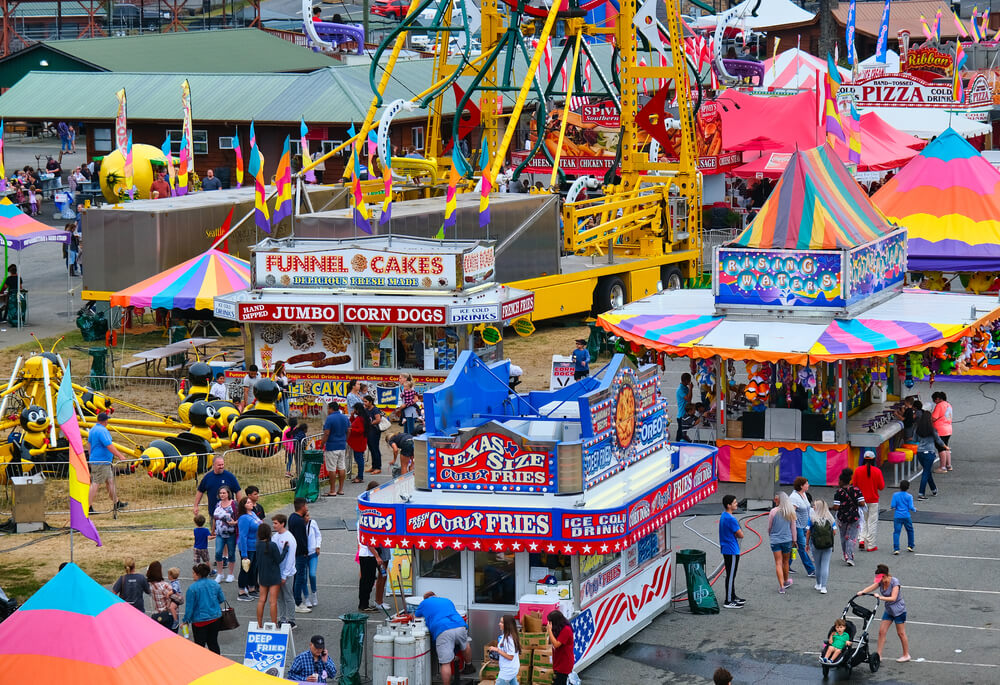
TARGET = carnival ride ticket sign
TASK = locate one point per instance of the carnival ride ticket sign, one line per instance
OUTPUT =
(372, 269)
(495, 459)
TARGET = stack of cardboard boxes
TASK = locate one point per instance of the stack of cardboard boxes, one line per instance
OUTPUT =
(536, 662)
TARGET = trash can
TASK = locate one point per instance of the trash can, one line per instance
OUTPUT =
(98, 367)
(701, 597)
(308, 482)
(352, 647)
(177, 334)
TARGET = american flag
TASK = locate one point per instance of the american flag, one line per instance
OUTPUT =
(589, 629)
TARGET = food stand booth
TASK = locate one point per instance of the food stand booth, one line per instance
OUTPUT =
(370, 308)
(575, 486)
(808, 329)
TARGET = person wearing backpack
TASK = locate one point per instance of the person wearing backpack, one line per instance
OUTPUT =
(847, 502)
(822, 530)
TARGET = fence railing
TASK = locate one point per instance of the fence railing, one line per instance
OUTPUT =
(146, 491)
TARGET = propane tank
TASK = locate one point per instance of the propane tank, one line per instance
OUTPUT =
(404, 663)
(422, 636)
(382, 652)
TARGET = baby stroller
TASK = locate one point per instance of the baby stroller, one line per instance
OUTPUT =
(857, 652)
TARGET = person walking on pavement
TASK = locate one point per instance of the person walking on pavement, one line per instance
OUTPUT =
(102, 454)
(803, 510)
(284, 539)
(297, 527)
(335, 430)
(729, 544)
(888, 589)
(869, 480)
(823, 528)
(847, 502)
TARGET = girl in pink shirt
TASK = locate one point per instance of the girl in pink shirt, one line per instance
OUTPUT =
(942, 415)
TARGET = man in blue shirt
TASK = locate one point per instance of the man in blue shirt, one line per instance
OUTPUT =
(335, 429)
(581, 360)
(102, 454)
(210, 484)
(448, 630)
(683, 397)
(313, 665)
(729, 542)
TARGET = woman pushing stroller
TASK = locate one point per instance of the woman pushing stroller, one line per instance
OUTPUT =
(888, 589)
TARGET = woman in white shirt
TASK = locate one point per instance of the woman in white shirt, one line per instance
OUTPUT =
(508, 651)
(315, 539)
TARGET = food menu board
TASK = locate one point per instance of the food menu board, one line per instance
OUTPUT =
(304, 347)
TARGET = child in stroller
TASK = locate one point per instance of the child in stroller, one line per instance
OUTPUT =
(838, 640)
(854, 650)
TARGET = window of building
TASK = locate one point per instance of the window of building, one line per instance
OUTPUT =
(411, 346)
(296, 147)
(544, 564)
(378, 347)
(200, 142)
(495, 578)
(417, 137)
(102, 140)
(328, 145)
(439, 563)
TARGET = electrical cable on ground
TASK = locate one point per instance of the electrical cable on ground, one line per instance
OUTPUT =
(714, 576)
(981, 413)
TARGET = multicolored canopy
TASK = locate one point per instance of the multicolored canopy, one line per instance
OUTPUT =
(911, 321)
(20, 230)
(815, 205)
(74, 631)
(948, 198)
(190, 285)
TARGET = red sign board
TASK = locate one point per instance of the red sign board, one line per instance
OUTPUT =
(491, 461)
(258, 311)
(568, 164)
(515, 308)
(394, 314)
(488, 523)
(600, 114)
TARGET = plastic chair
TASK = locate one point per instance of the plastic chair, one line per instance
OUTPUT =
(911, 460)
(896, 457)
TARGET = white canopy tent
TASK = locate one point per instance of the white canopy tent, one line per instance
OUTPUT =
(770, 13)
(927, 122)
(796, 69)
(891, 64)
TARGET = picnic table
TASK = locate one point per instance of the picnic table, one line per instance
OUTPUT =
(153, 357)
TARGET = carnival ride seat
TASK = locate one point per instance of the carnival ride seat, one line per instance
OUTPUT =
(337, 33)
(746, 70)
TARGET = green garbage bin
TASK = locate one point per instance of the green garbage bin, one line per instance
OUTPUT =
(308, 482)
(701, 597)
(98, 367)
(352, 647)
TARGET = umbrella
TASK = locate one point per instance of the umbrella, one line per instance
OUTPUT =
(190, 285)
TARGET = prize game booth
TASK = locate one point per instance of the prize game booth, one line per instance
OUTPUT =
(575, 486)
(370, 308)
(808, 329)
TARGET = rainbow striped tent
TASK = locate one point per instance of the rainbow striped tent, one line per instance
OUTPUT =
(190, 285)
(948, 198)
(815, 205)
(20, 230)
(74, 631)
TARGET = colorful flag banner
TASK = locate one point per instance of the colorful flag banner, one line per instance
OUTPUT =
(362, 220)
(883, 35)
(974, 25)
(985, 28)
(239, 159)
(937, 24)
(451, 202)
(774, 57)
(3, 171)
(957, 86)
(852, 14)
(372, 152)
(834, 126)
(854, 144)
(121, 123)
(168, 155)
(487, 185)
(188, 127)
(182, 172)
(129, 170)
(304, 147)
(283, 180)
(959, 26)
(79, 471)
(923, 27)
(256, 169)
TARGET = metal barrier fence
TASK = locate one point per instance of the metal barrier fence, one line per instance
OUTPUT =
(263, 467)
(712, 238)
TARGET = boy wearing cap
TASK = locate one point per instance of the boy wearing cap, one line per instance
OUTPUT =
(102, 454)
(581, 360)
(313, 665)
(868, 479)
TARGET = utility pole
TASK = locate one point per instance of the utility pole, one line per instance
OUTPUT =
(366, 4)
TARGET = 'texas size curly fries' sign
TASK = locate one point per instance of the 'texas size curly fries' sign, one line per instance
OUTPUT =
(492, 458)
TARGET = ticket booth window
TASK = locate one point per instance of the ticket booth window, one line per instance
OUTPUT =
(439, 563)
(495, 578)
(411, 346)
(379, 347)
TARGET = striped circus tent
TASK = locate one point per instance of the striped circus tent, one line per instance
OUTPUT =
(193, 284)
(74, 631)
(796, 69)
(815, 205)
